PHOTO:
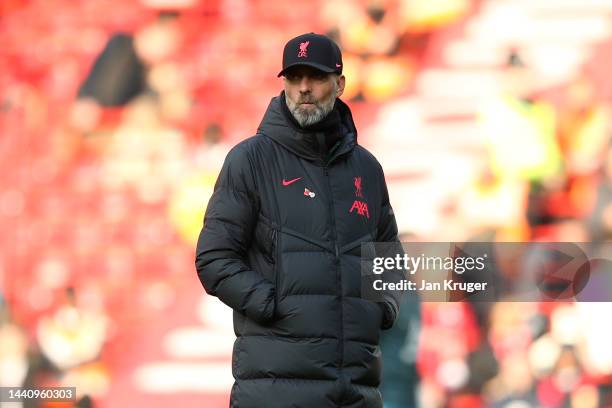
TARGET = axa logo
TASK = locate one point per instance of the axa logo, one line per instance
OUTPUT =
(303, 53)
(361, 208)
(358, 205)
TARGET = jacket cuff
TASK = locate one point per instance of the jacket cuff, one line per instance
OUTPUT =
(264, 312)
(389, 315)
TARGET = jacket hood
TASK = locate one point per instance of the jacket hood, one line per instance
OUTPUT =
(302, 141)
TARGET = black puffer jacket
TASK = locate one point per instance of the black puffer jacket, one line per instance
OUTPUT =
(281, 246)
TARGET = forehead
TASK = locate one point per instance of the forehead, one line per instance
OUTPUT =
(304, 70)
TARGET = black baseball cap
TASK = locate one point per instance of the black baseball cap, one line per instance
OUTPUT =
(314, 50)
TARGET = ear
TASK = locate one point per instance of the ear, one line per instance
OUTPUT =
(341, 81)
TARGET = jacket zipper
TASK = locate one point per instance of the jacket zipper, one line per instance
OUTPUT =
(336, 264)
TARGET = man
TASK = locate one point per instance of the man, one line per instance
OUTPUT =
(281, 245)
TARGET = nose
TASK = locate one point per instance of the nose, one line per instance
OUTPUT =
(305, 84)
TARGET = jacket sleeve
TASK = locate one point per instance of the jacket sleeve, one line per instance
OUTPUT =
(388, 233)
(225, 238)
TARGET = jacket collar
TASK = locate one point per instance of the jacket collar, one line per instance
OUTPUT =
(280, 127)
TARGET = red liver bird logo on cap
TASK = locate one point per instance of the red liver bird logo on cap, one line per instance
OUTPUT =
(303, 49)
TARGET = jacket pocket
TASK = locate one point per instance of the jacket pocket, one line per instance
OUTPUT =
(275, 265)
(264, 240)
(270, 247)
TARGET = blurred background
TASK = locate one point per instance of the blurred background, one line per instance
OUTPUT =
(491, 119)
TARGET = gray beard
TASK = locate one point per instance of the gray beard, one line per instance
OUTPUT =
(305, 117)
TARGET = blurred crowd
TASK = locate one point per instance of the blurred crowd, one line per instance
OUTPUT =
(114, 122)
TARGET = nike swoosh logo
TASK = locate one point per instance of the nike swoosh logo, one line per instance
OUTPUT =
(338, 65)
(287, 182)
